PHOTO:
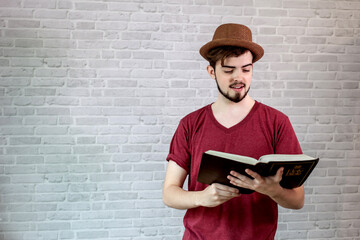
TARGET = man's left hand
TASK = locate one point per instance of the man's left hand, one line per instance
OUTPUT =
(266, 185)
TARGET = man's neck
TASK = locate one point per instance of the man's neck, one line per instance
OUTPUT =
(229, 113)
(223, 105)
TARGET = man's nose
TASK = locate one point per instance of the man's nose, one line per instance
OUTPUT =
(238, 74)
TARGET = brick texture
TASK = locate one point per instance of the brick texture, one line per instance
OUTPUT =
(91, 92)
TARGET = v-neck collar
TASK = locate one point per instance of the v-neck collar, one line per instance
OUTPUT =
(239, 124)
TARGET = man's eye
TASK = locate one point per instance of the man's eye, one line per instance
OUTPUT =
(230, 71)
(246, 70)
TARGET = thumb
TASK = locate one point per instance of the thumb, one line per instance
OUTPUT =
(279, 173)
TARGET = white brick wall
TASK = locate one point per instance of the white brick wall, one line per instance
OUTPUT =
(91, 92)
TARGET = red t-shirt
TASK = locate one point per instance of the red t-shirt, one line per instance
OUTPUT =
(250, 216)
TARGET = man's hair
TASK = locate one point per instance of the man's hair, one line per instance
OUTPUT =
(223, 52)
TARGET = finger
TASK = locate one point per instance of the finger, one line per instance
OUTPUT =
(239, 178)
(253, 174)
(279, 173)
(238, 175)
(226, 194)
(242, 182)
(224, 188)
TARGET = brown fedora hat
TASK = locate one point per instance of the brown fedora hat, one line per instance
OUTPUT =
(232, 34)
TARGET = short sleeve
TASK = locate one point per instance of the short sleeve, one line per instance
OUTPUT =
(286, 140)
(179, 147)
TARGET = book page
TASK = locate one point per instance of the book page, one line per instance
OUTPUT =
(237, 158)
(285, 158)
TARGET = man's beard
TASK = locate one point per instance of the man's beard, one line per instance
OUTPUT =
(236, 98)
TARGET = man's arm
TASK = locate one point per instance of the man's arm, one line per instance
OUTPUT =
(287, 198)
(175, 196)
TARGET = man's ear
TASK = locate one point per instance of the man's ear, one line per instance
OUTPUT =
(211, 71)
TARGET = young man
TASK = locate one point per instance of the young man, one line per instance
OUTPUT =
(234, 123)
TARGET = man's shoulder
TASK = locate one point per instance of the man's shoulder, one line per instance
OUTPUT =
(195, 116)
(271, 111)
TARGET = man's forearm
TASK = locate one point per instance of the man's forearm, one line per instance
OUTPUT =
(179, 198)
(290, 198)
(211, 196)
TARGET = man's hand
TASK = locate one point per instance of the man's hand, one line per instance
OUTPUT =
(175, 196)
(270, 186)
(216, 194)
(266, 185)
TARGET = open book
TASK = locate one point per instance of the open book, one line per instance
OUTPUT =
(216, 166)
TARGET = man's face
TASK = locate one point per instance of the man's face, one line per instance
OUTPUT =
(233, 78)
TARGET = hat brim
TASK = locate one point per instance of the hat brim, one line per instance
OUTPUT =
(256, 50)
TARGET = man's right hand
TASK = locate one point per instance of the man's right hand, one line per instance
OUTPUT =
(216, 194)
(175, 196)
